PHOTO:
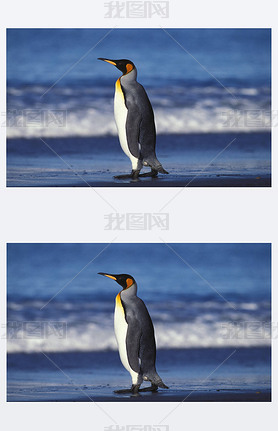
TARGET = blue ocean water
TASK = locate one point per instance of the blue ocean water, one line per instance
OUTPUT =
(198, 80)
(192, 375)
(202, 297)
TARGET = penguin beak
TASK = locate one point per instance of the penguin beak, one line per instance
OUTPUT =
(108, 61)
(108, 275)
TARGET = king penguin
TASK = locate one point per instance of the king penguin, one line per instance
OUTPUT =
(135, 121)
(135, 336)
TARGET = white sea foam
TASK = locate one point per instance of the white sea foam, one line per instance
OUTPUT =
(89, 111)
(203, 332)
(94, 123)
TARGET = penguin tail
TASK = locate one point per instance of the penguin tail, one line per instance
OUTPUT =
(162, 170)
(162, 385)
(155, 379)
(155, 165)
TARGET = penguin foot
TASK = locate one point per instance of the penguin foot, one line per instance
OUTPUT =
(152, 174)
(134, 176)
(152, 388)
(123, 177)
(133, 390)
(123, 391)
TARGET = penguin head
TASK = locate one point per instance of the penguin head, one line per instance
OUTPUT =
(125, 66)
(124, 280)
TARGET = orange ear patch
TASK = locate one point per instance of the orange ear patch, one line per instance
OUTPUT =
(129, 67)
(129, 282)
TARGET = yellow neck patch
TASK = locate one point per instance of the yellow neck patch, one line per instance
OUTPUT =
(119, 88)
(119, 302)
(118, 85)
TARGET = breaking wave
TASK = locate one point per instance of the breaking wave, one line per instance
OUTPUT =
(89, 327)
(88, 111)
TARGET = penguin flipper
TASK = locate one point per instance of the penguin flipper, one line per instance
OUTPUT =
(133, 344)
(132, 130)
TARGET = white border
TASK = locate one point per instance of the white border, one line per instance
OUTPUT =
(197, 215)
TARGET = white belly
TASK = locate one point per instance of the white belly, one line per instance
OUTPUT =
(120, 113)
(120, 327)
